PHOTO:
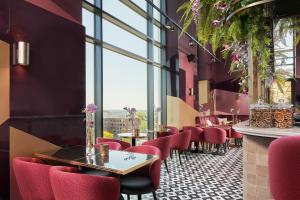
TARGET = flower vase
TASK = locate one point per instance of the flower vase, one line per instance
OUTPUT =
(89, 141)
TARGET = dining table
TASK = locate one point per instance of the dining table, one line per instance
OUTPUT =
(133, 136)
(116, 162)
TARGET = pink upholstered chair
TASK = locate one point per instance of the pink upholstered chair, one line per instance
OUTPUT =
(124, 145)
(172, 129)
(111, 145)
(238, 137)
(164, 145)
(216, 136)
(284, 168)
(182, 143)
(32, 176)
(144, 180)
(68, 184)
(197, 136)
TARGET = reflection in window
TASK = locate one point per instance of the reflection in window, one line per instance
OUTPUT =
(284, 55)
(89, 73)
(123, 39)
(124, 85)
(88, 22)
(125, 14)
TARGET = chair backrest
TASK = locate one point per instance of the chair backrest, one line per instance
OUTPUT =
(68, 184)
(32, 176)
(152, 170)
(214, 135)
(163, 143)
(124, 145)
(164, 133)
(182, 140)
(197, 132)
(172, 129)
(111, 145)
(284, 168)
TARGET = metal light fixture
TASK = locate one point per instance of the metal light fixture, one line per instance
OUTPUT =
(21, 53)
(170, 26)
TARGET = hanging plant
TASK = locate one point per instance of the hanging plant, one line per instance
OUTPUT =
(249, 29)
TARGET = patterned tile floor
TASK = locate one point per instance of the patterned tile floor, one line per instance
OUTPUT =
(203, 176)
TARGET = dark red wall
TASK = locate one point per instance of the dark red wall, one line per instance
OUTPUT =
(47, 97)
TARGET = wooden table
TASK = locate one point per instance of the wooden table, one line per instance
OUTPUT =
(133, 137)
(117, 162)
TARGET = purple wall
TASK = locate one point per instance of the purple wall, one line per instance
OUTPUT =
(46, 97)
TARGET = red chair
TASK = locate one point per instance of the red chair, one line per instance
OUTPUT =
(32, 176)
(238, 137)
(68, 184)
(284, 168)
(172, 129)
(164, 145)
(181, 142)
(144, 180)
(216, 136)
(124, 145)
(111, 145)
(197, 136)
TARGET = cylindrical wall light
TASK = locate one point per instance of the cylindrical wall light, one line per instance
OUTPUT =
(21, 53)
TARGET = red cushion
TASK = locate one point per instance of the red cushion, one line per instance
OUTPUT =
(284, 168)
(67, 184)
(33, 178)
(182, 140)
(197, 133)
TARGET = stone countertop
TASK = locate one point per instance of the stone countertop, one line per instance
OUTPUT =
(245, 129)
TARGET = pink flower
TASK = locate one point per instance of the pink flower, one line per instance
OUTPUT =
(216, 23)
(195, 8)
(221, 6)
(235, 57)
(92, 108)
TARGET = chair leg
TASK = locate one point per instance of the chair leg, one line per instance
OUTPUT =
(166, 165)
(179, 157)
(171, 153)
(225, 147)
(128, 196)
(139, 197)
(185, 155)
(154, 195)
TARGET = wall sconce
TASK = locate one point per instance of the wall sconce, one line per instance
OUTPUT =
(191, 91)
(21, 53)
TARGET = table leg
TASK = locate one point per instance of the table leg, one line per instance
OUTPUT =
(133, 142)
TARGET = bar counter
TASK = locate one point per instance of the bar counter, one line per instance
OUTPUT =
(255, 158)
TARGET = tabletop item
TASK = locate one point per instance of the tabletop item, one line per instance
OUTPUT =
(261, 115)
(118, 162)
(103, 149)
(283, 115)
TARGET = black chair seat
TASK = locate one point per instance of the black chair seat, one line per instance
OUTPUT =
(136, 184)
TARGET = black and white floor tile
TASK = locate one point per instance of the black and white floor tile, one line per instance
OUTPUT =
(202, 177)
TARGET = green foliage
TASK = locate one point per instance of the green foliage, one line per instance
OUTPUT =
(251, 26)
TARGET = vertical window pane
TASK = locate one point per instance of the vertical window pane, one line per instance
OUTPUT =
(123, 39)
(157, 97)
(156, 33)
(125, 14)
(124, 85)
(156, 14)
(89, 72)
(88, 22)
(156, 54)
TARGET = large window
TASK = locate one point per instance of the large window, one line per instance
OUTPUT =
(125, 69)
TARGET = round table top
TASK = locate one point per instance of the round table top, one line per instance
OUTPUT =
(132, 135)
(245, 129)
